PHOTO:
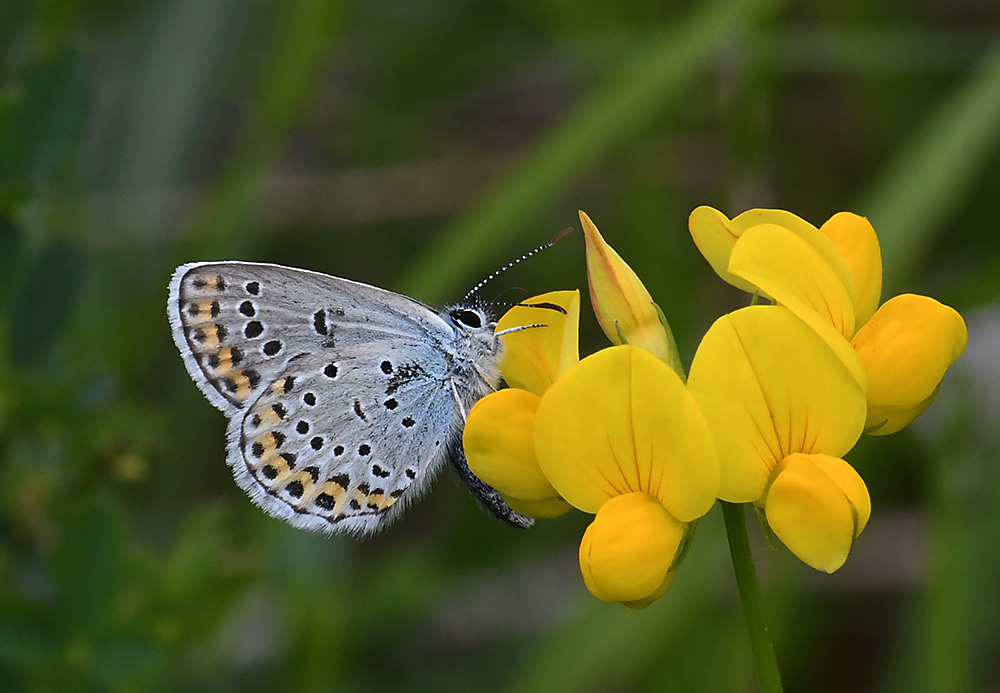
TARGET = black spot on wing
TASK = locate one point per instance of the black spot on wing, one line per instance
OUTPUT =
(404, 374)
(253, 329)
(319, 322)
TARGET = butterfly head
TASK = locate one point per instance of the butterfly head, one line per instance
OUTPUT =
(473, 326)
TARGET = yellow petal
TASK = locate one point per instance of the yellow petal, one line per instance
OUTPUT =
(628, 550)
(807, 276)
(769, 386)
(534, 358)
(779, 217)
(906, 348)
(621, 421)
(499, 444)
(817, 506)
(620, 300)
(857, 243)
(804, 230)
(796, 274)
(715, 235)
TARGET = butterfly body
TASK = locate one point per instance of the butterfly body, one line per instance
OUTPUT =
(343, 399)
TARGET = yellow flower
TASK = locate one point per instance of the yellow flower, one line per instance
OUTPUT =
(783, 409)
(621, 303)
(499, 430)
(618, 435)
(831, 278)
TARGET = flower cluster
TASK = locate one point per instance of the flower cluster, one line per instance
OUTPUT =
(831, 278)
(778, 393)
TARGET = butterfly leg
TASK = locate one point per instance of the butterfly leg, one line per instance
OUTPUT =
(487, 496)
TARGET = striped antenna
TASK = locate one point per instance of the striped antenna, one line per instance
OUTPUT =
(544, 246)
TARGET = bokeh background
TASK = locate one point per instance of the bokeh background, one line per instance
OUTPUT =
(418, 145)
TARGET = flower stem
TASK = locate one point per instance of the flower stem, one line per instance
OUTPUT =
(753, 606)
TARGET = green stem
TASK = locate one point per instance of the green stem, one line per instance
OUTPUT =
(753, 606)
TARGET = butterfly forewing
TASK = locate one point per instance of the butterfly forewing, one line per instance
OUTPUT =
(237, 323)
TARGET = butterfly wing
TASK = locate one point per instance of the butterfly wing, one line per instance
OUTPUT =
(337, 392)
(237, 323)
(344, 440)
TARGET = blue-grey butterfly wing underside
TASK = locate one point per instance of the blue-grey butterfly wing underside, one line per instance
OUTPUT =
(343, 399)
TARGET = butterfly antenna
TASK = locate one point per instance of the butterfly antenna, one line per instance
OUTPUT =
(544, 246)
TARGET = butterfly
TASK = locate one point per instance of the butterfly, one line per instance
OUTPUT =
(343, 399)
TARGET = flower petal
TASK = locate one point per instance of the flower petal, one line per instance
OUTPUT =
(817, 506)
(906, 348)
(857, 243)
(621, 421)
(715, 235)
(499, 444)
(796, 274)
(770, 386)
(628, 550)
(535, 357)
(620, 300)
(807, 281)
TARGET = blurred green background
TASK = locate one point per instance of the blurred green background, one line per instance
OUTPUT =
(418, 145)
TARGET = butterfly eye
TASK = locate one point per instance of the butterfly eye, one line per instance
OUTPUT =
(468, 318)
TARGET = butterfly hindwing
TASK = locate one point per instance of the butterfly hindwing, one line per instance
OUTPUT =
(345, 438)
